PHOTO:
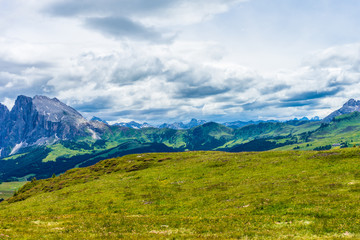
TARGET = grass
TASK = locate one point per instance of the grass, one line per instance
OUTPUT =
(196, 195)
(7, 189)
(59, 150)
(13, 157)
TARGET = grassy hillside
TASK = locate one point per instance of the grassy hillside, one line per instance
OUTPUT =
(44, 161)
(343, 130)
(202, 195)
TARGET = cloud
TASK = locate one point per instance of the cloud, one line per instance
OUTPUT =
(96, 104)
(136, 85)
(17, 67)
(307, 95)
(200, 92)
(23, 78)
(73, 8)
(345, 56)
(155, 112)
(172, 87)
(155, 20)
(104, 58)
(302, 103)
(254, 106)
(119, 27)
(274, 89)
(152, 84)
(137, 8)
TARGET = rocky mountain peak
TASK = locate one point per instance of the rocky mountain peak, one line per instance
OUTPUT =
(194, 122)
(352, 103)
(94, 118)
(39, 120)
(21, 102)
(55, 111)
(3, 110)
(350, 106)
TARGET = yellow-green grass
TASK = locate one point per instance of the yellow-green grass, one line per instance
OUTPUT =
(13, 157)
(7, 189)
(195, 195)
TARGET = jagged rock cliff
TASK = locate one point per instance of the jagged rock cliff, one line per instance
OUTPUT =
(41, 120)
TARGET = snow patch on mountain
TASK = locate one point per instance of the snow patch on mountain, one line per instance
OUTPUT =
(17, 148)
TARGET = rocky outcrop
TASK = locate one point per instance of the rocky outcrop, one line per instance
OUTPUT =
(41, 120)
(350, 106)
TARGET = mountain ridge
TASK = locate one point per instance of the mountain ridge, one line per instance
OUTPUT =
(350, 106)
(41, 120)
(40, 133)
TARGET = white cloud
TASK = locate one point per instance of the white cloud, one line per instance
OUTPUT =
(51, 48)
(168, 87)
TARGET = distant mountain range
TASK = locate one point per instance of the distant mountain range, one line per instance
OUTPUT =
(179, 125)
(176, 125)
(133, 124)
(40, 136)
(194, 123)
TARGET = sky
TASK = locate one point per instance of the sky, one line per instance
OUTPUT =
(172, 60)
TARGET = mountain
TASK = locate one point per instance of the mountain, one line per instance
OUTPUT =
(316, 118)
(208, 136)
(176, 125)
(98, 119)
(41, 120)
(134, 125)
(180, 125)
(350, 106)
(240, 124)
(41, 136)
(194, 123)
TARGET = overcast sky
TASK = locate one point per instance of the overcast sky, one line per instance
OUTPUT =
(173, 60)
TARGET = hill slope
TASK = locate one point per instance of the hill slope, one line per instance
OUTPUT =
(41, 136)
(203, 195)
(43, 162)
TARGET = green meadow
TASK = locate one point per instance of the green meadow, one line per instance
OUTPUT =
(194, 195)
(7, 189)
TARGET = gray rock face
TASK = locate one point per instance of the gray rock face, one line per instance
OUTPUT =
(41, 120)
(350, 106)
(4, 121)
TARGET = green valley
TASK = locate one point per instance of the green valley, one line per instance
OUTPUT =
(44, 160)
(7, 189)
